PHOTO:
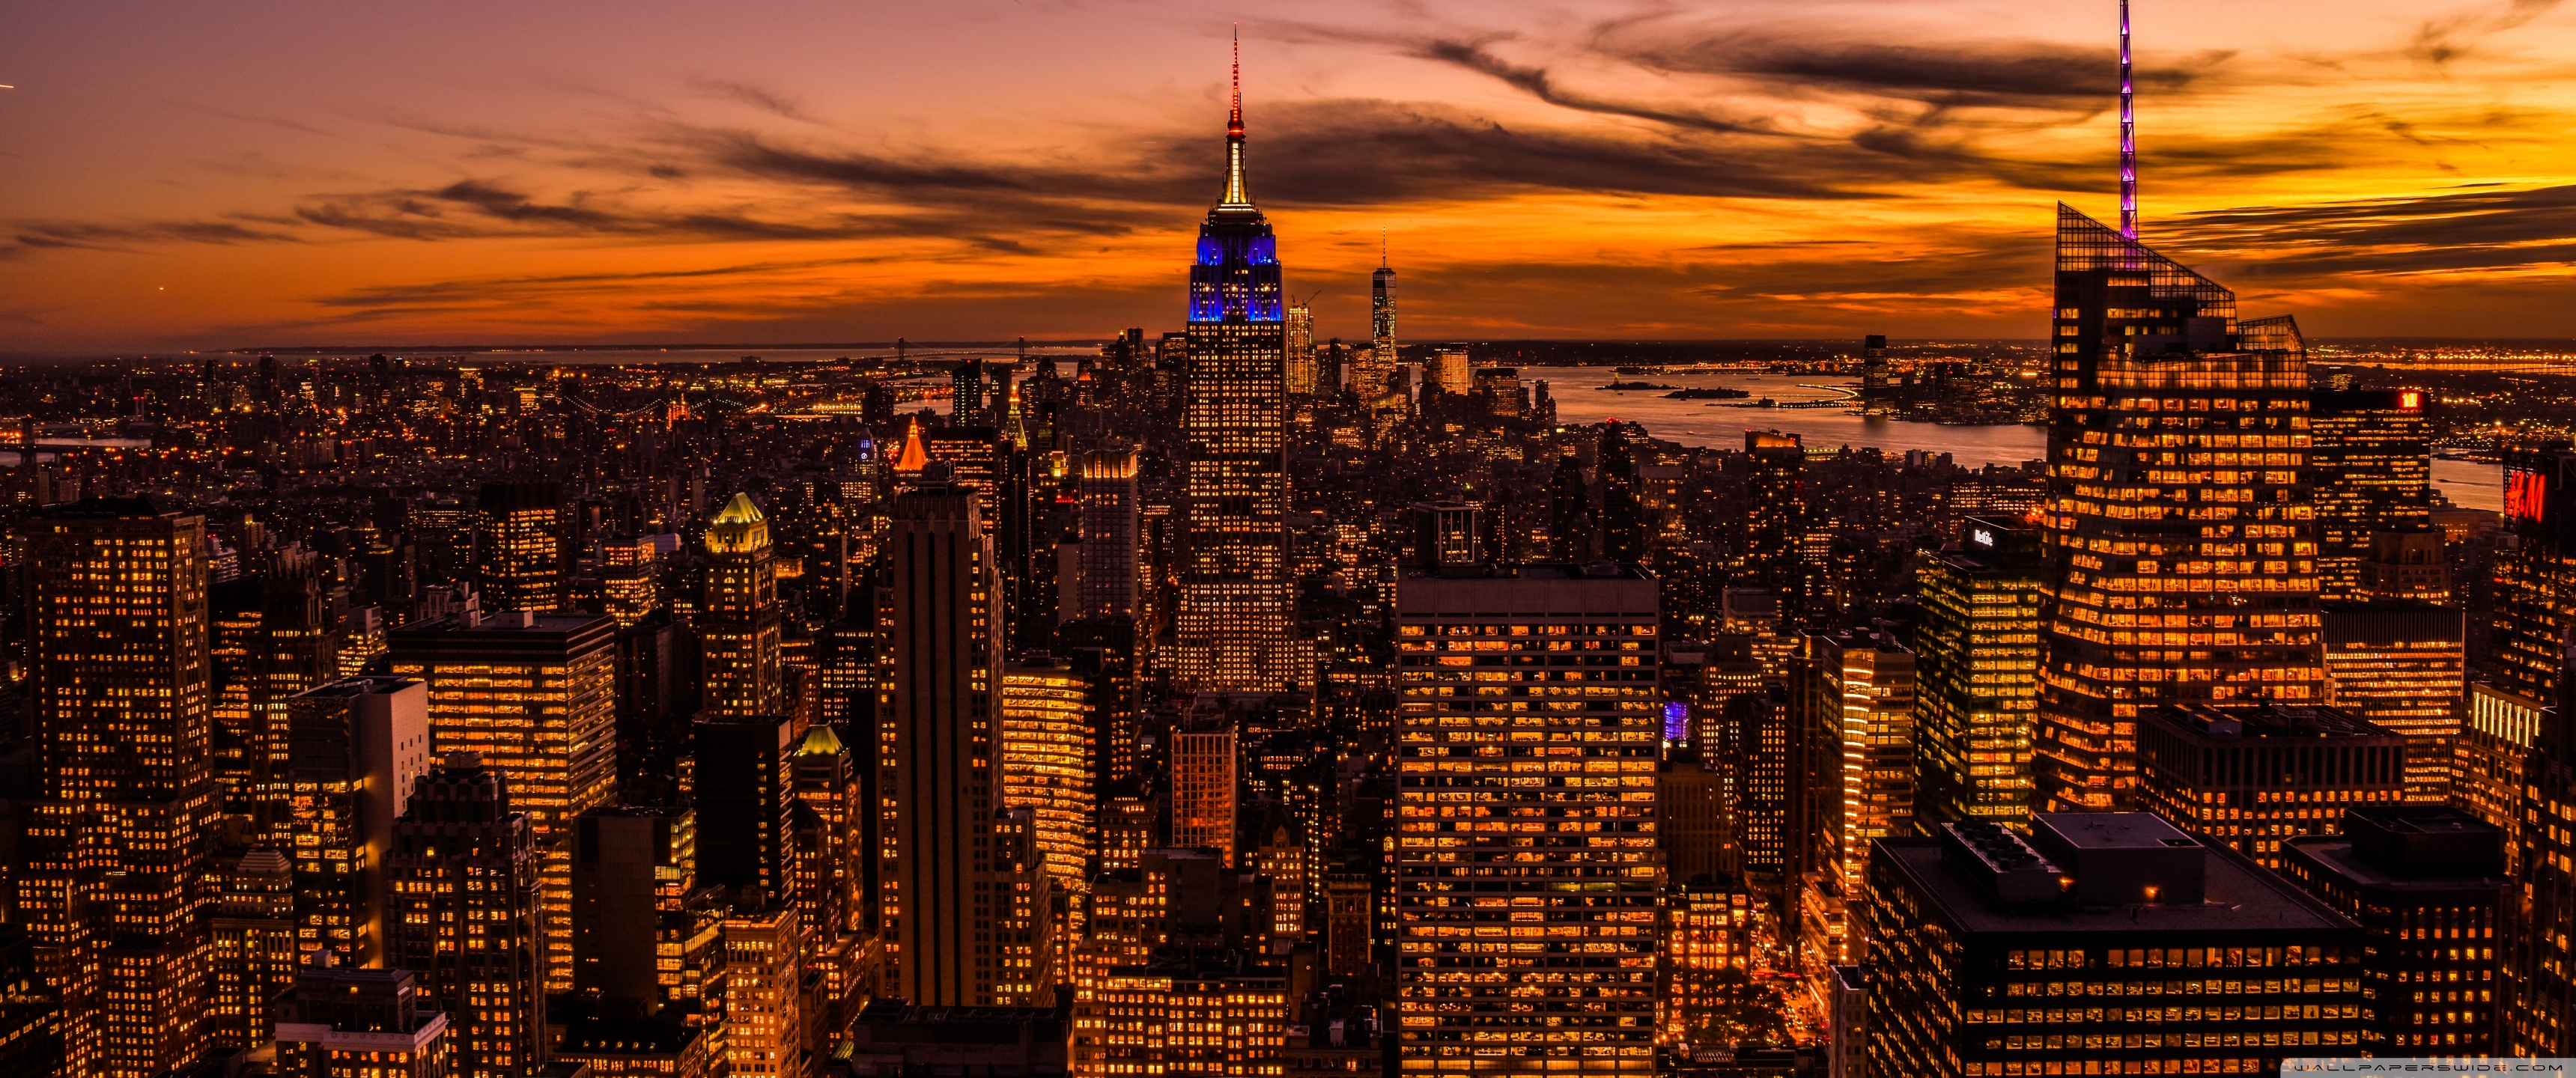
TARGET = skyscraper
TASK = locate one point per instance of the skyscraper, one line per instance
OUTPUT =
(2402, 666)
(462, 915)
(1301, 350)
(1106, 581)
(1526, 768)
(1977, 675)
(742, 798)
(630, 585)
(738, 622)
(630, 867)
(1236, 604)
(1375, 380)
(255, 956)
(939, 625)
(356, 748)
(1775, 516)
(1851, 699)
(1049, 761)
(1204, 777)
(2180, 538)
(114, 882)
(2370, 470)
(966, 393)
(533, 696)
(2427, 883)
(520, 545)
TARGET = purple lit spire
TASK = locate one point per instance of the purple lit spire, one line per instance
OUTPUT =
(2128, 135)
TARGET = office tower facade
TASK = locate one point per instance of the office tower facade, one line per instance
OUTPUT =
(2403, 667)
(742, 798)
(2489, 760)
(2408, 566)
(113, 882)
(462, 905)
(828, 885)
(966, 393)
(1301, 350)
(2535, 578)
(631, 869)
(1205, 774)
(1182, 1012)
(356, 747)
(1775, 515)
(533, 696)
(738, 621)
(630, 584)
(764, 992)
(255, 954)
(1106, 581)
(1692, 826)
(2179, 532)
(360, 1023)
(1852, 717)
(1237, 606)
(1048, 761)
(1447, 371)
(2370, 470)
(2540, 966)
(2252, 778)
(2427, 885)
(519, 546)
(1973, 942)
(295, 649)
(1103, 650)
(1753, 758)
(939, 624)
(1706, 946)
(1526, 747)
(1977, 675)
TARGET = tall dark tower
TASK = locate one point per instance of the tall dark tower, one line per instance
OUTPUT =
(1379, 372)
(1236, 604)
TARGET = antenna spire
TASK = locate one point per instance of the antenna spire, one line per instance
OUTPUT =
(1381, 248)
(1236, 194)
(2128, 134)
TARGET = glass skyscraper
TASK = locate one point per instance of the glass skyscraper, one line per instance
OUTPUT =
(2182, 539)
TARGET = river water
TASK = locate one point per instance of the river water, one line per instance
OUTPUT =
(1580, 398)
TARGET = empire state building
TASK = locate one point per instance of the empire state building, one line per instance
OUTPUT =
(1237, 608)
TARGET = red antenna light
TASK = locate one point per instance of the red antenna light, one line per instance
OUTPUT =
(1234, 116)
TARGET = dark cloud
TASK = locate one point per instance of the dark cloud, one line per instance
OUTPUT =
(2480, 228)
(1535, 81)
(2455, 34)
(757, 96)
(26, 237)
(1965, 74)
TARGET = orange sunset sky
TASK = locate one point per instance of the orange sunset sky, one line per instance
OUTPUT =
(177, 175)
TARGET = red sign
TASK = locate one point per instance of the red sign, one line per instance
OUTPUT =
(2526, 494)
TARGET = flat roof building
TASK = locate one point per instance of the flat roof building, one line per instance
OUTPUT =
(2099, 943)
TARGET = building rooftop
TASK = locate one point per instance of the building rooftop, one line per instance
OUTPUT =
(2265, 720)
(360, 686)
(2238, 896)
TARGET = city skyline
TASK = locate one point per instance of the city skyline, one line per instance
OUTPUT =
(1636, 173)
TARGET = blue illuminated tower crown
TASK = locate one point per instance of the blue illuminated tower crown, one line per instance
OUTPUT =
(1236, 277)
